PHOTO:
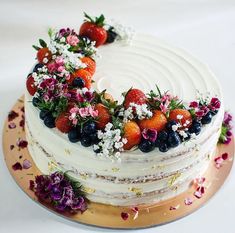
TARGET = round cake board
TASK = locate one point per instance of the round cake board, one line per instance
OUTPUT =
(112, 216)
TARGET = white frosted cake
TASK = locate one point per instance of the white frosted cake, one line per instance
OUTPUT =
(152, 168)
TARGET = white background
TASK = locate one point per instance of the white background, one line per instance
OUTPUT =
(204, 28)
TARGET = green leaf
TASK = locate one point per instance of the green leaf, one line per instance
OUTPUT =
(89, 18)
(42, 43)
(35, 47)
(100, 20)
(159, 92)
(50, 32)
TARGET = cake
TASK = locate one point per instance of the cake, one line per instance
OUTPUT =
(130, 149)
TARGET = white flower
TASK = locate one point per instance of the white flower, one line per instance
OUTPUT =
(140, 112)
(110, 143)
(179, 117)
(174, 127)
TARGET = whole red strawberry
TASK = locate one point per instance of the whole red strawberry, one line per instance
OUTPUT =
(62, 123)
(104, 116)
(134, 96)
(93, 29)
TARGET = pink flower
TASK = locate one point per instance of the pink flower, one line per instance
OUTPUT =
(194, 104)
(92, 112)
(199, 192)
(220, 159)
(72, 40)
(214, 104)
(83, 112)
(60, 68)
(188, 201)
(227, 118)
(51, 67)
(150, 134)
(59, 61)
(202, 111)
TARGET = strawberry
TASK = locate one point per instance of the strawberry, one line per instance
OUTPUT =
(104, 116)
(81, 73)
(134, 96)
(91, 65)
(132, 133)
(157, 121)
(93, 29)
(181, 116)
(44, 55)
(62, 123)
(30, 85)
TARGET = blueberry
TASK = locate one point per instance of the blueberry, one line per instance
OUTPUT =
(89, 128)
(163, 147)
(37, 66)
(74, 135)
(86, 141)
(207, 118)
(173, 139)
(196, 122)
(111, 36)
(79, 82)
(170, 124)
(43, 114)
(157, 142)
(35, 101)
(94, 138)
(162, 136)
(146, 146)
(213, 113)
(49, 121)
(195, 127)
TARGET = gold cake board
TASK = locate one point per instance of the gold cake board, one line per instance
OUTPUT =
(110, 216)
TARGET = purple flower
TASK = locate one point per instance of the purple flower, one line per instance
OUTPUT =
(58, 190)
(26, 164)
(227, 118)
(150, 134)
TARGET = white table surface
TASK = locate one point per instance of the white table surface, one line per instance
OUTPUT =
(204, 28)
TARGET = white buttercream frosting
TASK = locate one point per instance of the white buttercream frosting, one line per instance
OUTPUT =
(139, 178)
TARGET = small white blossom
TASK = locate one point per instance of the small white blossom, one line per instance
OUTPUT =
(135, 110)
(174, 127)
(111, 143)
(45, 60)
(179, 117)
(183, 133)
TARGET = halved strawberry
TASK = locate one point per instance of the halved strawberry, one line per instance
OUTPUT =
(30, 85)
(81, 73)
(132, 133)
(181, 116)
(62, 123)
(104, 116)
(44, 55)
(93, 29)
(134, 96)
(157, 121)
(91, 65)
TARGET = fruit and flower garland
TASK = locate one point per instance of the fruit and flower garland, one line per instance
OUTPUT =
(61, 86)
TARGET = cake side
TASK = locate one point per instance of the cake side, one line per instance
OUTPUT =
(138, 178)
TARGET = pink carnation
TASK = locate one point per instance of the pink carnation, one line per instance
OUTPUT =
(72, 40)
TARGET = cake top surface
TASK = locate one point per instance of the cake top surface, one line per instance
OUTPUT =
(114, 102)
